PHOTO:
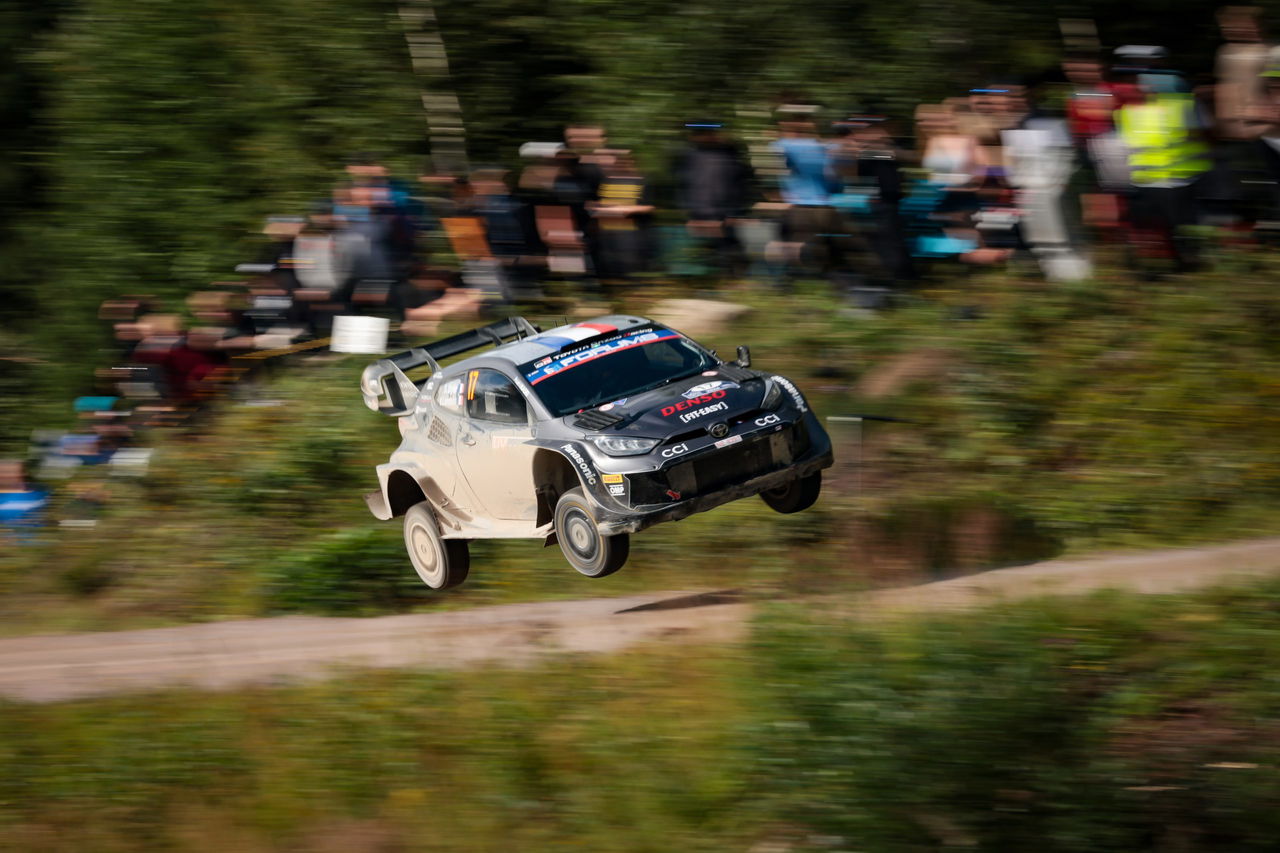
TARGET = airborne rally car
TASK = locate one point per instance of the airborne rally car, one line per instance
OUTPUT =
(580, 436)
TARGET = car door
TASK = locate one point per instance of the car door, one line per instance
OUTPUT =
(493, 454)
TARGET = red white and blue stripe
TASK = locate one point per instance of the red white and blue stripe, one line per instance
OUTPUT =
(569, 335)
(552, 365)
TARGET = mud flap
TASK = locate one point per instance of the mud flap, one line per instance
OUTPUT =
(377, 503)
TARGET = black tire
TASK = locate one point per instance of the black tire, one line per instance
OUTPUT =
(796, 495)
(580, 541)
(439, 562)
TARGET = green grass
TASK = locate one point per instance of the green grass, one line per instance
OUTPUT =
(1108, 723)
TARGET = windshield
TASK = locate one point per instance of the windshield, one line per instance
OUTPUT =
(613, 368)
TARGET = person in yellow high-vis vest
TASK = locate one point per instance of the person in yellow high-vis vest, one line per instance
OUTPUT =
(1167, 155)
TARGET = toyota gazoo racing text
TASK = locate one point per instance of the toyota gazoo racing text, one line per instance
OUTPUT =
(580, 436)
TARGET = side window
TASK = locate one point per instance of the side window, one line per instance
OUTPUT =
(449, 395)
(491, 396)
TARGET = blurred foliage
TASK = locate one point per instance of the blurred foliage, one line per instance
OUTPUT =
(347, 572)
(1110, 408)
(491, 761)
(1113, 722)
(644, 67)
(158, 139)
(1108, 723)
(179, 133)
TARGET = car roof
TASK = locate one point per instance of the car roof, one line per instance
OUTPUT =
(554, 340)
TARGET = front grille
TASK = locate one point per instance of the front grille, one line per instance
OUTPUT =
(728, 466)
(721, 468)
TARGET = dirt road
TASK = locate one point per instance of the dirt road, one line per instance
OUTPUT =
(230, 654)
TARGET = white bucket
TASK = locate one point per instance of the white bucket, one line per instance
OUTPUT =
(360, 334)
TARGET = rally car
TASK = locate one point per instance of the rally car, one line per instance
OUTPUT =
(580, 436)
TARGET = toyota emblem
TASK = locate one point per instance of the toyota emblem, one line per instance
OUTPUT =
(719, 430)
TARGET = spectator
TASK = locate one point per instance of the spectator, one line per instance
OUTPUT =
(806, 188)
(1167, 156)
(991, 110)
(364, 233)
(1038, 164)
(511, 233)
(868, 160)
(1092, 99)
(319, 264)
(1269, 141)
(1240, 97)
(957, 171)
(623, 213)
(439, 193)
(551, 185)
(1240, 117)
(952, 158)
(714, 185)
(583, 146)
(21, 505)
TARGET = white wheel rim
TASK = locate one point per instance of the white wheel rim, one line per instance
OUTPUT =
(581, 539)
(580, 535)
(426, 557)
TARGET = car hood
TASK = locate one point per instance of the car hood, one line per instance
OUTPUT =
(682, 406)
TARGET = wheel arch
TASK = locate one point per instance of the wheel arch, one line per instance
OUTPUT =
(553, 475)
(403, 491)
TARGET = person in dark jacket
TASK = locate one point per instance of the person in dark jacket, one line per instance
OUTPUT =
(714, 184)
(868, 158)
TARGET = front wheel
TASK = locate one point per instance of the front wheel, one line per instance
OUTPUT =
(796, 495)
(439, 562)
(580, 540)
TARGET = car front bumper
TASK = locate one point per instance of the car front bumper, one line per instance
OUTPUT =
(713, 479)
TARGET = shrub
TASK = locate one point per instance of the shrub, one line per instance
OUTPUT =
(353, 570)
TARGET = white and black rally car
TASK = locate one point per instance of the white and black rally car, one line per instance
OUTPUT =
(581, 435)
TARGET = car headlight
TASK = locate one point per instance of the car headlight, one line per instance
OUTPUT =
(772, 395)
(616, 445)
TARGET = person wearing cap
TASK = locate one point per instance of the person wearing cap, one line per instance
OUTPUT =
(1168, 154)
(868, 162)
(991, 109)
(811, 227)
(714, 184)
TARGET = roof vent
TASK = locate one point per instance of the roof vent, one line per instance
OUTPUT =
(596, 419)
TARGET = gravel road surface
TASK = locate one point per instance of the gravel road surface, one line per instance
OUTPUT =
(224, 655)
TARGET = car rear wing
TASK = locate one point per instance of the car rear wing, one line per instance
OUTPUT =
(385, 385)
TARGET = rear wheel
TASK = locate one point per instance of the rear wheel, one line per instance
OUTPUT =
(440, 563)
(796, 495)
(580, 540)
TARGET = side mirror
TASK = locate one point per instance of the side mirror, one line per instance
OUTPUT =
(744, 356)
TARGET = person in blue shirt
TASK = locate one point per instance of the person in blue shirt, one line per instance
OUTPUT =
(811, 227)
(21, 505)
(811, 175)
